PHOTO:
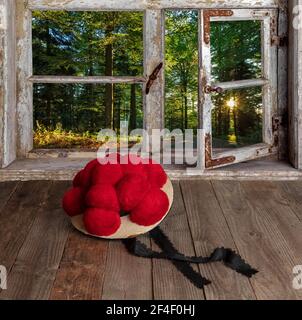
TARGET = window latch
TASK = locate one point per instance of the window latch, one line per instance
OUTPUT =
(153, 77)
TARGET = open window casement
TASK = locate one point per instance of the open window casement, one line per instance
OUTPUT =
(265, 81)
(268, 85)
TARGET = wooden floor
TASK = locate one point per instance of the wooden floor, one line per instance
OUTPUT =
(47, 259)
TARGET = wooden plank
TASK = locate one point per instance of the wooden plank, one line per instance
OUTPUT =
(168, 282)
(292, 191)
(24, 87)
(127, 277)
(98, 80)
(283, 85)
(145, 4)
(82, 269)
(7, 83)
(34, 270)
(267, 233)
(17, 216)
(209, 231)
(153, 56)
(295, 84)
(6, 191)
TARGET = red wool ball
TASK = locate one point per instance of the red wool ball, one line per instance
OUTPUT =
(102, 196)
(100, 222)
(77, 181)
(109, 174)
(73, 202)
(83, 178)
(152, 209)
(156, 175)
(131, 191)
(132, 165)
(91, 165)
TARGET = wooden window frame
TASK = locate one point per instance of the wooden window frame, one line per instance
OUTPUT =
(268, 82)
(153, 54)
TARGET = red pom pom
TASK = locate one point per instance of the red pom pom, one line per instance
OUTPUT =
(132, 164)
(100, 222)
(156, 175)
(83, 178)
(131, 190)
(73, 202)
(91, 165)
(77, 181)
(103, 197)
(152, 209)
(109, 174)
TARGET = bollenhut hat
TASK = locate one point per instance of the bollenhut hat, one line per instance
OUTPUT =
(119, 197)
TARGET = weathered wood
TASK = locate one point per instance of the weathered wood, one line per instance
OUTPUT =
(168, 283)
(154, 55)
(127, 277)
(209, 231)
(241, 84)
(99, 80)
(34, 270)
(283, 85)
(292, 191)
(61, 169)
(7, 83)
(24, 87)
(295, 83)
(145, 4)
(17, 217)
(82, 269)
(269, 84)
(264, 230)
(6, 191)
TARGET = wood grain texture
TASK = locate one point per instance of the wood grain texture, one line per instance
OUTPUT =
(34, 270)
(209, 231)
(127, 277)
(17, 216)
(261, 224)
(292, 191)
(168, 282)
(82, 269)
(6, 191)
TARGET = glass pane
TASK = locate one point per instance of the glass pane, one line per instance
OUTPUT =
(181, 72)
(70, 116)
(236, 50)
(237, 118)
(87, 43)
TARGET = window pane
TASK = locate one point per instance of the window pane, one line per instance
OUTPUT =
(237, 118)
(87, 43)
(236, 50)
(70, 116)
(181, 73)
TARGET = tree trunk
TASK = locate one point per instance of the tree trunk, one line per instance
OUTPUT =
(109, 87)
(133, 107)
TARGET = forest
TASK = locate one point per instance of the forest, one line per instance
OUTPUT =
(111, 44)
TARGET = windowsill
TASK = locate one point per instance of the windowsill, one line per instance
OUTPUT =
(65, 168)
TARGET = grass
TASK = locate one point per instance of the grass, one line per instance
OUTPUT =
(46, 138)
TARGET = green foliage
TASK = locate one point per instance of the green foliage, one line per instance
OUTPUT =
(111, 43)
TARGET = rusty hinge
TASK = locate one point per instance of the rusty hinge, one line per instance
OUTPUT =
(207, 21)
(212, 163)
(153, 77)
(279, 41)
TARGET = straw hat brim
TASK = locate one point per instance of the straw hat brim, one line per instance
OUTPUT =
(128, 229)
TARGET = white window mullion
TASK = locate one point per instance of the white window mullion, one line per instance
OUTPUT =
(154, 55)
